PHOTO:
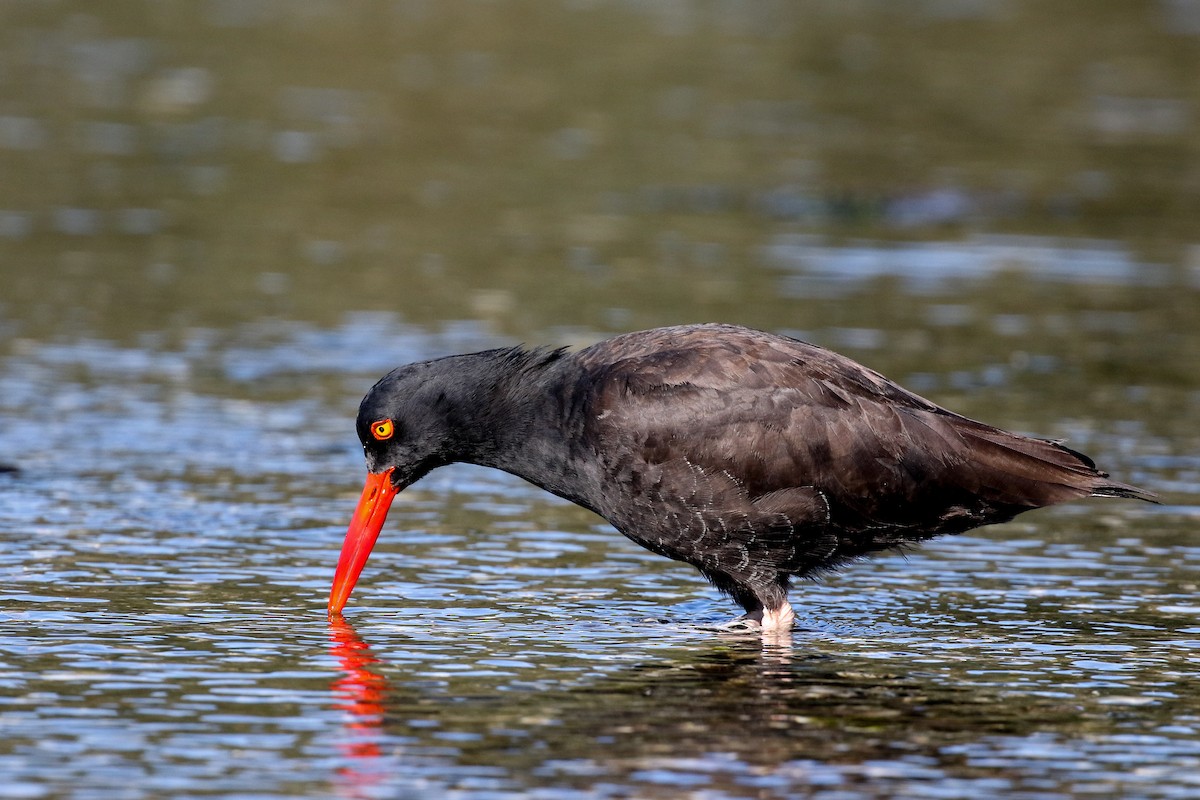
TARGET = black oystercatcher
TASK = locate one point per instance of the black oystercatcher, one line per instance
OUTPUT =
(751, 456)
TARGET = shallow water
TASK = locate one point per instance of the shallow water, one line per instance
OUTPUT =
(220, 222)
(169, 553)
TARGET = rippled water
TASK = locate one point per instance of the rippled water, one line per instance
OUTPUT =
(169, 550)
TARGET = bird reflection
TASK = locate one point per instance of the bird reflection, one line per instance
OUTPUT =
(361, 693)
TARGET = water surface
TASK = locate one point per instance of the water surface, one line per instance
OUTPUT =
(169, 554)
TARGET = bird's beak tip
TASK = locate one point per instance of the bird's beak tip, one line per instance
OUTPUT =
(368, 519)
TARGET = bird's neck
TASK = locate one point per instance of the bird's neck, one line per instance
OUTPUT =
(532, 423)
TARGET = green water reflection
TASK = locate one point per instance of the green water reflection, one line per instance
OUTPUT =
(596, 164)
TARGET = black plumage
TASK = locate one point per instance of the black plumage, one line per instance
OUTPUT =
(752, 456)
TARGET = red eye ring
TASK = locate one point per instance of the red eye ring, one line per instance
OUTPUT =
(383, 429)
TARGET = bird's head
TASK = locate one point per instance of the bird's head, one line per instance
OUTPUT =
(408, 426)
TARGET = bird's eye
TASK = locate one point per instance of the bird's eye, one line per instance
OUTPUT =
(383, 429)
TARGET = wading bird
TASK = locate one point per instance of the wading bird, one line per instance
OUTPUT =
(753, 457)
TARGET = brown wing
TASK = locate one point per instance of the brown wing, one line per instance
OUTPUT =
(775, 415)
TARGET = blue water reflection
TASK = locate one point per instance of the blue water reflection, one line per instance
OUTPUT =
(934, 267)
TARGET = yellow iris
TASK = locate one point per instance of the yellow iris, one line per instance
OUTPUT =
(383, 429)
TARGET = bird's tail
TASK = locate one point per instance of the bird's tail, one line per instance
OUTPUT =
(1114, 489)
(1049, 471)
(1101, 486)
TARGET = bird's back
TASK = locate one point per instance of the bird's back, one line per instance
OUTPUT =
(715, 436)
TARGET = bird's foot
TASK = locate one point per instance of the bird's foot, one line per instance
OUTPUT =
(746, 623)
(764, 620)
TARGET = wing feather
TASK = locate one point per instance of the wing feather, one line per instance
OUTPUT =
(779, 414)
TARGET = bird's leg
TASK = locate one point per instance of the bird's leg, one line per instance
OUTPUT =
(776, 619)
(765, 620)
(767, 608)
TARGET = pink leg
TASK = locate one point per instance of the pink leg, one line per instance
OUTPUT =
(778, 619)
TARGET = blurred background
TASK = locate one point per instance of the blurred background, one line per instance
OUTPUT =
(951, 183)
(557, 170)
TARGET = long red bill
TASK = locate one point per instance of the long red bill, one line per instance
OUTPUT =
(364, 529)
